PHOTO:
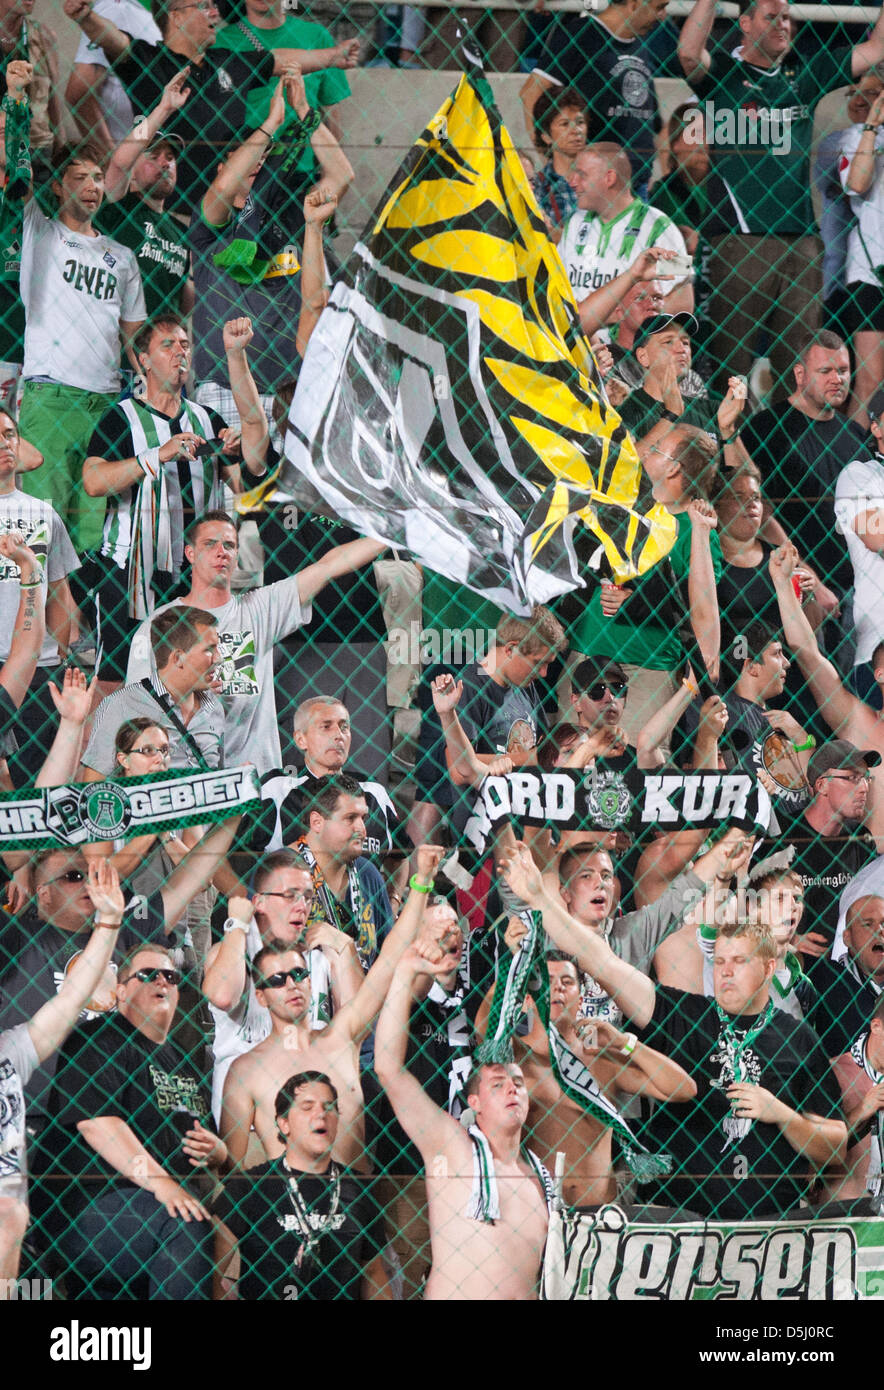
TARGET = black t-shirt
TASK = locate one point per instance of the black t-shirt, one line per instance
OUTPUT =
(615, 79)
(758, 746)
(8, 719)
(108, 1067)
(35, 958)
(724, 1173)
(494, 719)
(214, 116)
(747, 595)
(279, 820)
(800, 460)
(258, 1210)
(843, 1006)
(160, 245)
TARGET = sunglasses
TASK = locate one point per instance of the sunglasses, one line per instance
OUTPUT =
(150, 750)
(596, 692)
(277, 980)
(153, 972)
(70, 876)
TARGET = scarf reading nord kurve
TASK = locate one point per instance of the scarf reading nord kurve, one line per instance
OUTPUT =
(527, 974)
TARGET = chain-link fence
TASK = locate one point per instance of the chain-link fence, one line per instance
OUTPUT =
(337, 569)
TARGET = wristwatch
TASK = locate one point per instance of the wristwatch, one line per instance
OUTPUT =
(234, 924)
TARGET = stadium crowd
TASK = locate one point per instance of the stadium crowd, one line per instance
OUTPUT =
(254, 1054)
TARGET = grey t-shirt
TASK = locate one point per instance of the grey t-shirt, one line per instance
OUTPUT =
(41, 528)
(18, 1059)
(206, 728)
(248, 627)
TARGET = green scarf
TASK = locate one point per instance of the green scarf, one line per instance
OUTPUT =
(527, 973)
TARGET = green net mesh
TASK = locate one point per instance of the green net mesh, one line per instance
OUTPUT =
(261, 719)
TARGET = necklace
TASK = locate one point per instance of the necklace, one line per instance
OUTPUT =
(311, 1225)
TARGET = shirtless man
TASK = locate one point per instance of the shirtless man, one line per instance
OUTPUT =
(849, 717)
(283, 986)
(488, 1202)
(618, 1061)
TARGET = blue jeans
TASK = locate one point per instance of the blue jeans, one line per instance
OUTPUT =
(125, 1245)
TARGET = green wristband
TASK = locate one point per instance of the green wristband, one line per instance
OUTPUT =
(420, 887)
(807, 746)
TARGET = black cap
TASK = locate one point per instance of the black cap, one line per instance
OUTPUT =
(658, 323)
(836, 754)
(597, 668)
(166, 137)
(875, 407)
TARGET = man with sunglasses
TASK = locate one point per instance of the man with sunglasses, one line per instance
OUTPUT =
(282, 984)
(130, 1118)
(278, 913)
(40, 945)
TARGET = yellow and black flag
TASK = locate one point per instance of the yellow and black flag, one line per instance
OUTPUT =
(449, 402)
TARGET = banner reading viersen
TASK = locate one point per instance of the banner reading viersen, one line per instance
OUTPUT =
(602, 1255)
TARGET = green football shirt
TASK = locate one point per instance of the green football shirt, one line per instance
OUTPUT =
(324, 88)
(759, 126)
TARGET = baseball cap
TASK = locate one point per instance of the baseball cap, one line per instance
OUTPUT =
(658, 323)
(875, 407)
(593, 669)
(839, 754)
(165, 137)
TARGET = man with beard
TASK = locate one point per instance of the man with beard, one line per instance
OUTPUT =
(140, 180)
(800, 447)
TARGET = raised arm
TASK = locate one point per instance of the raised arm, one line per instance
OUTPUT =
(356, 1018)
(702, 593)
(342, 560)
(72, 705)
(231, 179)
(109, 38)
(196, 870)
(640, 1070)
(52, 1022)
(255, 437)
(342, 55)
(430, 1128)
(465, 766)
(319, 206)
(225, 975)
(138, 141)
(692, 52)
(866, 55)
(599, 308)
(627, 986)
(18, 669)
(842, 711)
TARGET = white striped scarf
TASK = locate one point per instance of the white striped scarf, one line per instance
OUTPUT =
(484, 1203)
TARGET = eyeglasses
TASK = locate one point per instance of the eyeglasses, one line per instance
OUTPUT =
(854, 777)
(596, 692)
(70, 876)
(277, 980)
(151, 973)
(152, 750)
(292, 895)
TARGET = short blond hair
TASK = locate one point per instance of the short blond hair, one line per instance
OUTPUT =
(542, 629)
(757, 932)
